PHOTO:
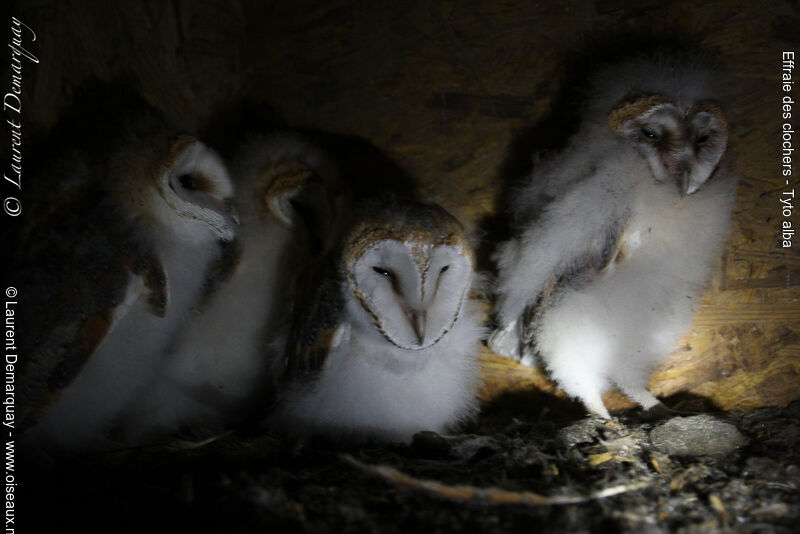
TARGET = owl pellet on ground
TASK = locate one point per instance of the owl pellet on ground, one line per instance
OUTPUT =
(113, 267)
(617, 233)
(288, 203)
(385, 338)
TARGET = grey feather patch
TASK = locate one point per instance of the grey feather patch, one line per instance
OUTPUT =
(156, 293)
(315, 323)
(585, 269)
(221, 269)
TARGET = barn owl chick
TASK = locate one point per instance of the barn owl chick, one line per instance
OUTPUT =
(113, 268)
(618, 232)
(385, 339)
(288, 204)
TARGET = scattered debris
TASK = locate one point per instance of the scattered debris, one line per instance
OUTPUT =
(476, 495)
(556, 473)
(699, 435)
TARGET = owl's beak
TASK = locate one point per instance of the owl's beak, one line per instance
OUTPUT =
(417, 319)
(683, 182)
(683, 172)
(688, 186)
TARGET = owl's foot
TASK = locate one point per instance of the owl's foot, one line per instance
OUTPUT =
(594, 403)
(505, 341)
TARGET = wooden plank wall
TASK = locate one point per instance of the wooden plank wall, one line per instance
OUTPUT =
(454, 92)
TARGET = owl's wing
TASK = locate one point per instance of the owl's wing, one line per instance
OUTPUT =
(220, 270)
(595, 262)
(316, 321)
(64, 328)
(578, 236)
(78, 275)
(578, 228)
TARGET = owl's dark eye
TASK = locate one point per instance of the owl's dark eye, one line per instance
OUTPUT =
(189, 182)
(444, 269)
(650, 134)
(701, 139)
(301, 209)
(384, 272)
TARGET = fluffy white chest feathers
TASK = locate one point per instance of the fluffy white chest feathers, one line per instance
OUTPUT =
(218, 360)
(371, 389)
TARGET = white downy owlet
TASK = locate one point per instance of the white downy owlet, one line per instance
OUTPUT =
(385, 339)
(112, 269)
(618, 233)
(288, 203)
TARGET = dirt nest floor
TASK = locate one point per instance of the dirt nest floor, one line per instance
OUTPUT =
(547, 470)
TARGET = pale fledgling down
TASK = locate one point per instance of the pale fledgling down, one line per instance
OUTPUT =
(216, 374)
(385, 338)
(617, 234)
(134, 231)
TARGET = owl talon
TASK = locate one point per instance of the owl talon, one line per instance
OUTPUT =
(505, 342)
